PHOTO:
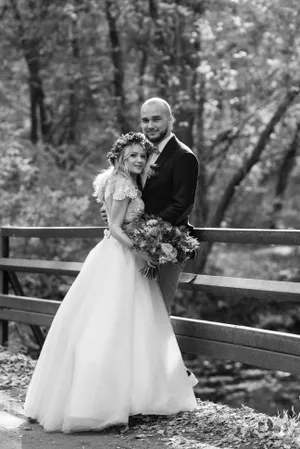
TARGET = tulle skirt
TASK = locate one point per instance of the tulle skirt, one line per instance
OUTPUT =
(110, 352)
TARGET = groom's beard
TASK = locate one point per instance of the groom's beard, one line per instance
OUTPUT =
(161, 136)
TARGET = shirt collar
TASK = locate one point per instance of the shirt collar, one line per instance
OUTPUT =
(164, 142)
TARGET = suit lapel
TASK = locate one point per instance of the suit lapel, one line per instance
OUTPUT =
(166, 153)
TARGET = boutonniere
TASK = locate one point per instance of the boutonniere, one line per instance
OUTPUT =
(153, 171)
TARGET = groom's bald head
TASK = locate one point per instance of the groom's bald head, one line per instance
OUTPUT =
(158, 103)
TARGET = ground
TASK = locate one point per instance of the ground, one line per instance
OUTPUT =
(210, 426)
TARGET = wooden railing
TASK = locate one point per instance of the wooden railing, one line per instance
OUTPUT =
(262, 348)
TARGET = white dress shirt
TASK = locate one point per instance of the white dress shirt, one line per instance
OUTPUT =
(154, 156)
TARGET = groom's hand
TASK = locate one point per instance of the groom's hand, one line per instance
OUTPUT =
(103, 214)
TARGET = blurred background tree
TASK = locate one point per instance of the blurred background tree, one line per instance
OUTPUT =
(74, 75)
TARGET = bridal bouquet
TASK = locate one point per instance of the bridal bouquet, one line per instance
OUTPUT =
(162, 241)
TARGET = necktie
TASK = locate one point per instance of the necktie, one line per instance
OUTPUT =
(152, 158)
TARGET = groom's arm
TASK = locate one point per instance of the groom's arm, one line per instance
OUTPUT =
(185, 176)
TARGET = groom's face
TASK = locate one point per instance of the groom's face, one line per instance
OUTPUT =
(155, 122)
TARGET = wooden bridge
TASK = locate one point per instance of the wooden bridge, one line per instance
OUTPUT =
(262, 348)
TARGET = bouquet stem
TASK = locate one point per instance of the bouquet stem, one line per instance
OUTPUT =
(150, 272)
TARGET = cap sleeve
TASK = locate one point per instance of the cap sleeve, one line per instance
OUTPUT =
(123, 188)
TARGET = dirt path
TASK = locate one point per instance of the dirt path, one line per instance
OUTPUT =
(17, 433)
(210, 426)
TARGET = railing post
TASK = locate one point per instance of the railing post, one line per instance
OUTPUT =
(4, 252)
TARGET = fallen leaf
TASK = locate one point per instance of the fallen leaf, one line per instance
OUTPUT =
(140, 436)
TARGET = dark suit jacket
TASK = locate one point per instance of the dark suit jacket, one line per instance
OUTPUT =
(170, 192)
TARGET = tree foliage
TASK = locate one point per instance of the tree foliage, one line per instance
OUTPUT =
(74, 75)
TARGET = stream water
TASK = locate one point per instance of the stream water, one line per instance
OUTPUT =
(234, 384)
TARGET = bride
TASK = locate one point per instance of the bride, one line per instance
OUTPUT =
(111, 351)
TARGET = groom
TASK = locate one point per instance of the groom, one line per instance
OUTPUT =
(169, 186)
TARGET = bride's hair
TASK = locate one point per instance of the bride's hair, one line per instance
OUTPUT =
(125, 140)
(121, 164)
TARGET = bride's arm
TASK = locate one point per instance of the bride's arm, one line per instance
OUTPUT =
(117, 217)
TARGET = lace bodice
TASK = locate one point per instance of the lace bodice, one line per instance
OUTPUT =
(110, 186)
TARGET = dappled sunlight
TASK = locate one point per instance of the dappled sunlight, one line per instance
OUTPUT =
(8, 421)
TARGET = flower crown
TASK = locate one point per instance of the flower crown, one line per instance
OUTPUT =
(128, 139)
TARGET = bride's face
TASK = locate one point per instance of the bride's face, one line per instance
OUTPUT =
(136, 159)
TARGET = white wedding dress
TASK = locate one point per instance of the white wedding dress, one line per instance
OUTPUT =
(111, 351)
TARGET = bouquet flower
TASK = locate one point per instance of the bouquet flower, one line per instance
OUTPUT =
(162, 241)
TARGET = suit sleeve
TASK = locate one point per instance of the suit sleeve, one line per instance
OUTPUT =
(184, 188)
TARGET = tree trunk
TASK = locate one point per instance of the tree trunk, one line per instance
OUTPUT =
(142, 71)
(153, 12)
(73, 101)
(285, 170)
(40, 123)
(34, 134)
(200, 209)
(117, 60)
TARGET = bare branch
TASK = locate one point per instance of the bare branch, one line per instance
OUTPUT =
(284, 173)
(3, 12)
(229, 191)
(241, 173)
